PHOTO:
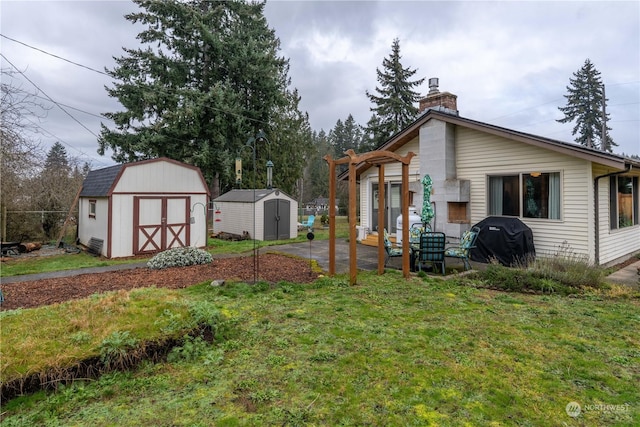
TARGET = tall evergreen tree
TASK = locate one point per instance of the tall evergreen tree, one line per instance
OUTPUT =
(394, 104)
(585, 104)
(292, 140)
(207, 77)
(344, 136)
(56, 187)
(317, 171)
(373, 136)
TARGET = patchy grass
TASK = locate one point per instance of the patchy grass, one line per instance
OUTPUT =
(388, 351)
(50, 342)
(34, 265)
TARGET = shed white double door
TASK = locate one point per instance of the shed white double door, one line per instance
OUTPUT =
(160, 223)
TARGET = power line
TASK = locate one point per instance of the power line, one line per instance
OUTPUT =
(50, 99)
(525, 109)
(103, 73)
(54, 55)
(78, 109)
(45, 131)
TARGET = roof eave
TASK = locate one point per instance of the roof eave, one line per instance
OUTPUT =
(412, 130)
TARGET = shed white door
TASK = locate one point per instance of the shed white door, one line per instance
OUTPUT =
(160, 223)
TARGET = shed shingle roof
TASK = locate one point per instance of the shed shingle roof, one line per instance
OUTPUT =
(98, 182)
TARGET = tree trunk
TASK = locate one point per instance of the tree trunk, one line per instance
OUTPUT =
(29, 247)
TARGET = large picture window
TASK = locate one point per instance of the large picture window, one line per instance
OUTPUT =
(623, 201)
(528, 195)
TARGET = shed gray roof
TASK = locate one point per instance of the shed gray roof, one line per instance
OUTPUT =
(247, 196)
(98, 182)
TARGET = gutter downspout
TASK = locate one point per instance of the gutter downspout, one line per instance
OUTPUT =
(596, 211)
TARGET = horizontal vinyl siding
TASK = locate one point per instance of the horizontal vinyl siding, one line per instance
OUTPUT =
(392, 173)
(393, 170)
(618, 243)
(365, 203)
(480, 155)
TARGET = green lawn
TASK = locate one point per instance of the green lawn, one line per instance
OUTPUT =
(386, 352)
(20, 266)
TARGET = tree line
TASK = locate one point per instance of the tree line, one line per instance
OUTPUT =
(38, 187)
(206, 78)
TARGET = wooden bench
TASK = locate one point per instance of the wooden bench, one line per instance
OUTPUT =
(94, 247)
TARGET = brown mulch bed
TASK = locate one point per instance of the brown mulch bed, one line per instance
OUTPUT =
(273, 268)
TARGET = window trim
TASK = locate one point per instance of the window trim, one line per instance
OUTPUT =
(92, 208)
(521, 177)
(614, 211)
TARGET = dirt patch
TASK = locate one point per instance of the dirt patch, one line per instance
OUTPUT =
(273, 268)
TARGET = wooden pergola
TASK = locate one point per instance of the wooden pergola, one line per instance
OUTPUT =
(379, 159)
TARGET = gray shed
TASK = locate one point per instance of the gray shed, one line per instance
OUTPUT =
(267, 214)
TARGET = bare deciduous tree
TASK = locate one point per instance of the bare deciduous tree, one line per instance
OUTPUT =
(20, 153)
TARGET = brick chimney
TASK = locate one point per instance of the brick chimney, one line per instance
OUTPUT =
(445, 102)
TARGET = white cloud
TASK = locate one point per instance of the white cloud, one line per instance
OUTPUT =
(508, 62)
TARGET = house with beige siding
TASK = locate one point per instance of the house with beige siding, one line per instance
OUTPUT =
(573, 198)
(143, 208)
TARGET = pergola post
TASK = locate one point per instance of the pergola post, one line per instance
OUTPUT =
(332, 216)
(405, 222)
(353, 261)
(382, 200)
(378, 158)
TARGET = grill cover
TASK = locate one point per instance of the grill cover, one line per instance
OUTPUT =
(508, 240)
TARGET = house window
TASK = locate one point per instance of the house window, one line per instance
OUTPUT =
(92, 208)
(623, 201)
(527, 195)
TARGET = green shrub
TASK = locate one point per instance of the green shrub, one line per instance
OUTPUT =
(192, 348)
(568, 268)
(179, 257)
(115, 350)
(497, 276)
(563, 272)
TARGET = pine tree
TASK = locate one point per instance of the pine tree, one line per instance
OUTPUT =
(207, 77)
(585, 103)
(394, 104)
(344, 136)
(56, 187)
(317, 171)
(292, 132)
(373, 136)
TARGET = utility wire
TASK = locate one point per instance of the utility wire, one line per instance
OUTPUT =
(49, 133)
(55, 56)
(48, 97)
(103, 73)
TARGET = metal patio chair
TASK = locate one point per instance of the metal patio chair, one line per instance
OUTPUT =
(431, 250)
(463, 250)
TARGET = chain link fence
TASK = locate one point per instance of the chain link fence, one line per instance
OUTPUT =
(36, 225)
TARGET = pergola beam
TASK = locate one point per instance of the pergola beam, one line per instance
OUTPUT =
(379, 159)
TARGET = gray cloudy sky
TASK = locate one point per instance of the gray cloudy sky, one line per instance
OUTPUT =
(508, 62)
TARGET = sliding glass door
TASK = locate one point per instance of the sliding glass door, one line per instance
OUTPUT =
(393, 205)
